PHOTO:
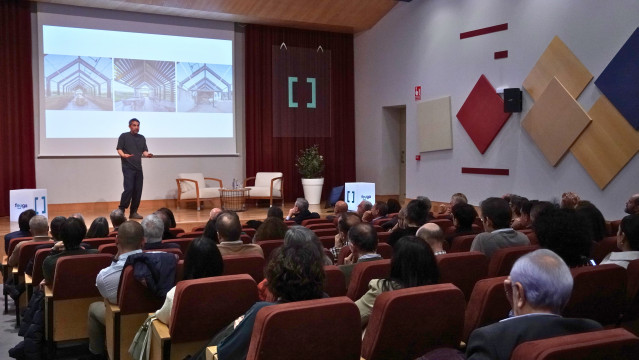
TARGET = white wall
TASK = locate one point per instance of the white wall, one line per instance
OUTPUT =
(97, 179)
(417, 44)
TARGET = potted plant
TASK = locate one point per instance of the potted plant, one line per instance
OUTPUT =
(310, 164)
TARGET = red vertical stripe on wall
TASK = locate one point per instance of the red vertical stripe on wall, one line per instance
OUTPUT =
(17, 155)
(267, 153)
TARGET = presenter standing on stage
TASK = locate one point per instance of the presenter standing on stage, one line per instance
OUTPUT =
(131, 147)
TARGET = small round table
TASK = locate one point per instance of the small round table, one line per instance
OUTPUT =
(234, 199)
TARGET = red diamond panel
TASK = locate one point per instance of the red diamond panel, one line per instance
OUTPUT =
(482, 114)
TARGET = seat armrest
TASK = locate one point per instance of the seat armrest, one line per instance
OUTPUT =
(211, 353)
(48, 291)
(247, 179)
(28, 280)
(159, 335)
(197, 186)
(215, 179)
(281, 185)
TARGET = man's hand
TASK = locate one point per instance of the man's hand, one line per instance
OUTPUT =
(293, 211)
(338, 241)
(41, 285)
(59, 246)
(349, 259)
(147, 154)
(368, 216)
(126, 156)
(508, 288)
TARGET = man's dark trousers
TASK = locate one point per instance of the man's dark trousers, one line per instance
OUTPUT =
(132, 193)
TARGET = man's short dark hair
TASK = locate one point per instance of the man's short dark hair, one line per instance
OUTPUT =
(132, 120)
(426, 202)
(24, 218)
(131, 234)
(497, 210)
(56, 226)
(347, 220)
(382, 208)
(630, 227)
(465, 214)
(364, 236)
(228, 226)
(417, 212)
(275, 211)
(72, 233)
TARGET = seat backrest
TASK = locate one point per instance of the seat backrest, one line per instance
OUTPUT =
(613, 227)
(363, 273)
(176, 231)
(309, 222)
(189, 186)
(407, 323)
(202, 307)
(189, 234)
(487, 305)
(443, 223)
(249, 231)
(598, 293)
(314, 329)
(15, 241)
(326, 225)
(327, 241)
(462, 243)
(532, 237)
(503, 260)
(385, 250)
(134, 297)
(263, 179)
(37, 276)
(111, 249)
(75, 276)
(246, 239)
(462, 269)
(268, 246)
(27, 250)
(183, 242)
(325, 232)
(600, 249)
(244, 264)
(632, 291)
(96, 242)
(382, 237)
(343, 253)
(618, 344)
(177, 252)
(334, 282)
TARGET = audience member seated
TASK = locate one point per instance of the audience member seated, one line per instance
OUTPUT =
(379, 211)
(210, 230)
(416, 216)
(344, 224)
(363, 243)
(203, 259)
(393, 205)
(515, 207)
(117, 218)
(565, 233)
(464, 216)
(129, 242)
(275, 211)
(433, 235)
(166, 234)
(169, 215)
(594, 219)
(363, 207)
(341, 207)
(569, 200)
(71, 232)
(99, 228)
(295, 273)
(54, 230)
(396, 222)
(413, 264)
(456, 198)
(632, 206)
(23, 225)
(300, 212)
(229, 230)
(495, 214)
(153, 228)
(538, 288)
(273, 228)
(524, 221)
(627, 242)
(39, 228)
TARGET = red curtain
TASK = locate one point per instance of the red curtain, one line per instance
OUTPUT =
(16, 101)
(264, 152)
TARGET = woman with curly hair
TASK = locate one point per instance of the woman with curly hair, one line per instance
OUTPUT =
(294, 273)
(413, 264)
(271, 229)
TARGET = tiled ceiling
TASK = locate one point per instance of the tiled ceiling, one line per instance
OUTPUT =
(348, 16)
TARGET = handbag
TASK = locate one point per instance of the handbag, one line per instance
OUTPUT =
(139, 349)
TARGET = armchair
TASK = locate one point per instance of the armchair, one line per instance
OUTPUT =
(192, 187)
(267, 185)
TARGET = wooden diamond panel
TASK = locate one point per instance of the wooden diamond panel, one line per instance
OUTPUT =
(607, 145)
(555, 121)
(435, 125)
(557, 61)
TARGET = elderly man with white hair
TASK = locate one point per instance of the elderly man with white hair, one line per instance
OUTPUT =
(538, 288)
(153, 227)
(300, 212)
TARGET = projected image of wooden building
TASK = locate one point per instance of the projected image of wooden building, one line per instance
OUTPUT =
(205, 87)
(77, 83)
(144, 85)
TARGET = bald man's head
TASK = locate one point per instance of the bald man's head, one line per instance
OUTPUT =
(431, 233)
(632, 205)
(340, 207)
(214, 213)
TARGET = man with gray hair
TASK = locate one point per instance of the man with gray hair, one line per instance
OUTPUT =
(538, 288)
(117, 218)
(363, 207)
(153, 227)
(300, 212)
(39, 227)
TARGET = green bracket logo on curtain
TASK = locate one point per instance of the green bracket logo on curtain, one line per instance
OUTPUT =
(313, 82)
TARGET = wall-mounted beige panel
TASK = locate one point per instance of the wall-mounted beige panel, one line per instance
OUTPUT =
(435, 125)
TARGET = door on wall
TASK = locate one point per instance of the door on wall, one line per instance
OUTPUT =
(394, 139)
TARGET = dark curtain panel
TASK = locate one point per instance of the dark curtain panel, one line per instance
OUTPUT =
(269, 150)
(16, 101)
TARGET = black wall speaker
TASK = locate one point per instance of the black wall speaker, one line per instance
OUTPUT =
(512, 100)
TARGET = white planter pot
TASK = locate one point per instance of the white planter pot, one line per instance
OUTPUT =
(313, 190)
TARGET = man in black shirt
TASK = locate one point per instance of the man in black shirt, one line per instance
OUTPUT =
(131, 148)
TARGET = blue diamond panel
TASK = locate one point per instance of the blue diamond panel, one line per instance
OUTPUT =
(620, 80)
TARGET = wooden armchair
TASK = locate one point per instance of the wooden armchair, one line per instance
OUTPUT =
(192, 187)
(267, 185)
